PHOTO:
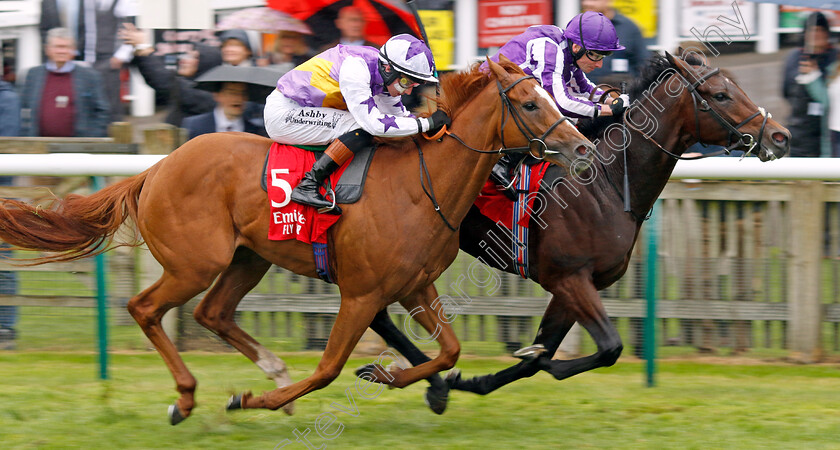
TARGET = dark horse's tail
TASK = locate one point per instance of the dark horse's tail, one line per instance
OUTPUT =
(75, 226)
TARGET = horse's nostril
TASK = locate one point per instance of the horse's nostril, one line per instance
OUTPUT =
(779, 138)
(582, 150)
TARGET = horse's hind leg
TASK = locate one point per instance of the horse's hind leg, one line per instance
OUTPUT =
(148, 308)
(217, 308)
(353, 318)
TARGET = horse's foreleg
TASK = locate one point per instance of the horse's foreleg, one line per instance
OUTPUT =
(353, 318)
(586, 308)
(437, 395)
(148, 308)
(430, 314)
(553, 328)
(217, 308)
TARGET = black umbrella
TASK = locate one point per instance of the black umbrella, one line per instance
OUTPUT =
(260, 80)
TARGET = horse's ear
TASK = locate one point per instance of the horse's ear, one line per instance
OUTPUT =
(677, 64)
(499, 71)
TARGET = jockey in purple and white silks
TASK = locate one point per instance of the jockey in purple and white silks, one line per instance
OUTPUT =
(558, 59)
(345, 96)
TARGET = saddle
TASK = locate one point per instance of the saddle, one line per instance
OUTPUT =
(352, 182)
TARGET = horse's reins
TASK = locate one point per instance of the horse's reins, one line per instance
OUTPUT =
(534, 143)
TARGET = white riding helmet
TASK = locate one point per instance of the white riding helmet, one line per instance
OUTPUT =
(409, 56)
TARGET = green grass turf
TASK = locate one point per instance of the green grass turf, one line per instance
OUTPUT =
(54, 400)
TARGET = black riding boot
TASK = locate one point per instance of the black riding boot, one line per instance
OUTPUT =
(307, 191)
(501, 174)
(339, 151)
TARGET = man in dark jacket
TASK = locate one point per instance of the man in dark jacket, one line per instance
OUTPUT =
(233, 112)
(93, 24)
(805, 121)
(623, 64)
(62, 98)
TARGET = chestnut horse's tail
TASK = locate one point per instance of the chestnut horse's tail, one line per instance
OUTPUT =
(75, 226)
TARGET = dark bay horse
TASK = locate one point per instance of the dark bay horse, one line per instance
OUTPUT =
(204, 216)
(582, 238)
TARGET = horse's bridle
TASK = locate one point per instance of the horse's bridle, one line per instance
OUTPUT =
(746, 140)
(535, 144)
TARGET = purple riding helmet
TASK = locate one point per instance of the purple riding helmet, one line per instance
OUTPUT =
(593, 32)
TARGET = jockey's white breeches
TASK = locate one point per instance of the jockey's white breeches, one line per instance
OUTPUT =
(289, 123)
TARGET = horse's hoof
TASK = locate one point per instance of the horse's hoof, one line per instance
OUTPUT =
(452, 378)
(235, 402)
(367, 368)
(530, 352)
(289, 408)
(175, 416)
(437, 399)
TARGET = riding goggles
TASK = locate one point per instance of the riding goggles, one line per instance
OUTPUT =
(407, 82)
(596, 56)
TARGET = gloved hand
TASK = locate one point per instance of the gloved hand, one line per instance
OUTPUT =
(437, 120)
(618, 106)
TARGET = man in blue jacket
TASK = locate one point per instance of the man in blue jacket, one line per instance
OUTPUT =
(9, 126)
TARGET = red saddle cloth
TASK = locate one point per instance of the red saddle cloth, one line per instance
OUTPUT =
(497, 207)
(290, 220)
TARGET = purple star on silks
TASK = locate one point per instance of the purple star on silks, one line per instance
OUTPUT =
(371, 103)
(389, 121)
(416, 48)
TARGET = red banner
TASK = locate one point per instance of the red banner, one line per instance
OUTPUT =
(500, 20)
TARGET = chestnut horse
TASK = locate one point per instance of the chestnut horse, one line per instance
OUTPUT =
(204, 216)
(582, 237)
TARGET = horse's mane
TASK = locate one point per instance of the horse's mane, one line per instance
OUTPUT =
(459, 88)
(655, 67)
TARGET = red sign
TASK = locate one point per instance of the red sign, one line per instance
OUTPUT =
(500, 20)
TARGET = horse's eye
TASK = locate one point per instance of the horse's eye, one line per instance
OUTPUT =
(720, 97)
(530, 106)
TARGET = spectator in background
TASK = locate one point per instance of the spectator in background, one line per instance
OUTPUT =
(806, 116)
(233, 112)
(351, 23)
(236, 48)
(290, 51)
(825, 89)
(624, 64)
(9, 126)
(94, 24)
(175, 88)
(62, 98)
